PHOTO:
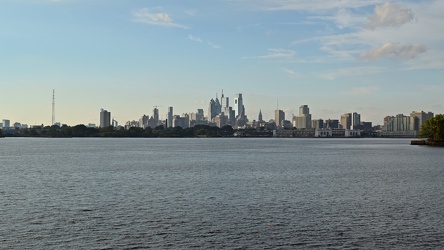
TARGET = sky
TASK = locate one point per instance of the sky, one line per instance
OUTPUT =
(377, 58)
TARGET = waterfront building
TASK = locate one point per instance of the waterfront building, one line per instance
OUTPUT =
(105, 118)
(6, 123)
(279, 118)
(319, 123)
(399, 126)
(418, 119)
(356, 120)
(334, 124)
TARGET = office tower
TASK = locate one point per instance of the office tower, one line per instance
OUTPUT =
(304, 110)
(214, 108)
(279, 117)
(143, 121)
(105, 118)
(156, 115)
(224, 102)
(259, 117)
(346, 120)
(356, 120)
(170, 117)
(303, 120)
(238, 106)
(319, 123)
(333, 124)
(200, 115)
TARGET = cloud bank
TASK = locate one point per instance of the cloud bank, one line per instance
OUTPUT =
(394, 51)
(390, 14)
(148, 16)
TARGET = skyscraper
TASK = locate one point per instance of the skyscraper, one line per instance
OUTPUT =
(356, 120)
(419, 118)
(304, 110)
(105, 118)
(259, 117)
(224, 103)
(238, 106)
(303, 120)
(346, 120)
(156, 115)
(279, 117)
(170, 117)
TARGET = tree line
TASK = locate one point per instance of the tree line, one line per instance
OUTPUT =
(159, 131)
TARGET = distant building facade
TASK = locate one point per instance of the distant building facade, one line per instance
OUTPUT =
(105, 118)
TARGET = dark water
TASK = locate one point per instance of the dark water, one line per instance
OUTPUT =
(220, 193)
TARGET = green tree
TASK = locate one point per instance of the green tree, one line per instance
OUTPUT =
(433, 129)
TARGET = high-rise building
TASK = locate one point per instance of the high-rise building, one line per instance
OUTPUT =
(238, 106)
(224, 103)
(346, 120)
(304, 110)
(105, 118)
(319, 123)
(143, 121)
(200, 114)
(333, 124)
(303, 120)
(170, 117)
(279, 118)
(418, 119)
(6, 123)
(259, 117)
(156, 115)
(356, 120)
(214, 109)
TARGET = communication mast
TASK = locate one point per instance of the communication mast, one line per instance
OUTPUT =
(53, 107)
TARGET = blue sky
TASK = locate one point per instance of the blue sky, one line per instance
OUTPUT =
(373, 57)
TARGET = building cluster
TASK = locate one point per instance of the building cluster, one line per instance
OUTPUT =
(405, 126)
(221, 113)
(6, 125)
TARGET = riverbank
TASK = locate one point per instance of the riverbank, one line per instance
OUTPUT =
(427, 143)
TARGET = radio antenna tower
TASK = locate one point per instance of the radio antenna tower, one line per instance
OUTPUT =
(53, 107)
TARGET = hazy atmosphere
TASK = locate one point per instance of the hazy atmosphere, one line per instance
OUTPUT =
(374, 57)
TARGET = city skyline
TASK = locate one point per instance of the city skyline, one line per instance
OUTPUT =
(376, 58)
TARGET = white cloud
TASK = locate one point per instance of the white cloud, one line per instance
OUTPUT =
(195, 39)
(200, 40)
(395, 51)
(390, 14)
(148, 16)
(291, 72)
(279, 53)
(359, 91)
(309, 5)
(353, 71)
